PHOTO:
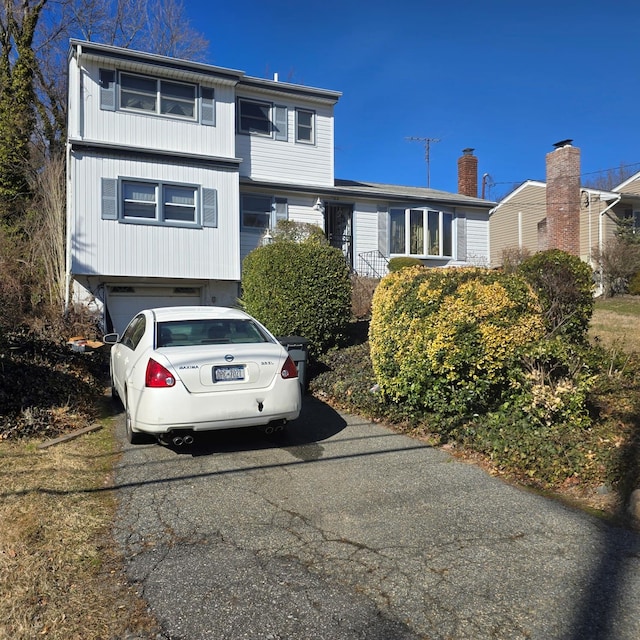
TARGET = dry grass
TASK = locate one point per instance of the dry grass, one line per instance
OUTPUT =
(616, 323)
(60, 576)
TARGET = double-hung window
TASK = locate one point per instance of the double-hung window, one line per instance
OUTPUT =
(165, 203)
(260, 213)
(305, 126)
(421, 233)
(151, 95)
(159, 203)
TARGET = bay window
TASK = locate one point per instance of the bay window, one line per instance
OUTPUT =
(421, 232)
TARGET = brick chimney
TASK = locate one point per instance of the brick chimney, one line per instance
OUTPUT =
(468, 174)
(563, 198)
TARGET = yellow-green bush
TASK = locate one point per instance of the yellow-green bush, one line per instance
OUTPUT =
(444, 340)
(402, 262)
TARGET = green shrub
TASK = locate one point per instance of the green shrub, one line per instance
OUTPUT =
(634, 284)
(543, 429)
(564, 285)
(446, 340)
(395, 264)
(298, 232)
(299, 289)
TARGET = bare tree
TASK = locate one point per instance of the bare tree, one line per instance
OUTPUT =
(47, 228)
(616, 264)
(611, 178)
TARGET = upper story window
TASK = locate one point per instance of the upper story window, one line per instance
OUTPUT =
(260, 213)
(421, 232)
(305, 126)
(155, 96)
(254, 117)
(263, 119)
(147, 202)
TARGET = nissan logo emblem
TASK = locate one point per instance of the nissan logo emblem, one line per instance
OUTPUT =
(229, 358)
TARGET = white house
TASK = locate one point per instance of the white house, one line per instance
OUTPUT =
(177, 170)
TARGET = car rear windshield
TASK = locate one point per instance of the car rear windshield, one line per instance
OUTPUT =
(184, 333)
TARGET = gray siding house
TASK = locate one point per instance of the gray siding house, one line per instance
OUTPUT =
(177, 170)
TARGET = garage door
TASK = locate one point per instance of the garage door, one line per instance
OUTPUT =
(124, 302)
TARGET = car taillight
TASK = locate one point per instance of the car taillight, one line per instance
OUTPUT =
(289, 369)
(158, 376)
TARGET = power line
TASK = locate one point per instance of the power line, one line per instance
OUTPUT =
(427, 153)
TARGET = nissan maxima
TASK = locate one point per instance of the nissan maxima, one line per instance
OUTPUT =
(182, 370)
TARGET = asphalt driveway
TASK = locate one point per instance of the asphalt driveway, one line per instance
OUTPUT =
(346, 530)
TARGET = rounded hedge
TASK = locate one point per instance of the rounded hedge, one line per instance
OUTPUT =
(444, 340)
(299, 289)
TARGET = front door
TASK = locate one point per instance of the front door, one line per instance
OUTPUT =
(339, 226)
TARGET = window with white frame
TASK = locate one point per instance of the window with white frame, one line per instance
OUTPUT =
(260, 213)
(421, 233)
(305, 126)
(160, 202)
(152, 95)
(254, 117)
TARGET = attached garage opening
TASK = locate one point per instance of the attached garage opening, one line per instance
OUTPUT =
(124, 302)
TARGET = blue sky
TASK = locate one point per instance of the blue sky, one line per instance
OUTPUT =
(506, 78)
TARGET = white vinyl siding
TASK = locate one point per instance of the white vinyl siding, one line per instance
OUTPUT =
(477, 229)
(110, 248)
(138, 128)
(267, 158)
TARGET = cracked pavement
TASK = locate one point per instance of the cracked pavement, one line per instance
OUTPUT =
(342, 529)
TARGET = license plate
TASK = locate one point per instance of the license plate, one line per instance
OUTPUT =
(225, 374)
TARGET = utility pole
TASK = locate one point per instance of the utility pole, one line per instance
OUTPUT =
(427, 153)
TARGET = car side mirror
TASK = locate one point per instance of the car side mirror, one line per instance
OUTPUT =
(110, 338)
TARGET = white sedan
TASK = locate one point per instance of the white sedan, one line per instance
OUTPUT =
(179, 370)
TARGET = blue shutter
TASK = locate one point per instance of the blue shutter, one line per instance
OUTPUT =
(207, 106)
(281, 209)
(209, 207)
(108, 89)
(109, 198)
(461, 228)
(383, 231)
(281, 123)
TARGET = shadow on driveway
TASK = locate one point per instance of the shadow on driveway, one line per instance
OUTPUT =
(317, 422)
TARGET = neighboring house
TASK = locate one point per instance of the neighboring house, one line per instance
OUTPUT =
(177, 170)
(519, 223)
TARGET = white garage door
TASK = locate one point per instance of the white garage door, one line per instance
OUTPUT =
(124, 302)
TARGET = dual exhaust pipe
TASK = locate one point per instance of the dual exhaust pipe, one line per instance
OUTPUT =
(186, 439)
(183, 440)
(269, 429)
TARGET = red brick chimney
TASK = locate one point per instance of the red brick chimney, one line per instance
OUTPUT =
(468, 174)
(563, 198)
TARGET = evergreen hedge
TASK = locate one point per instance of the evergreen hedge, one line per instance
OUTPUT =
(299, 289)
